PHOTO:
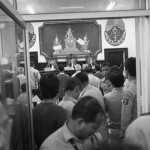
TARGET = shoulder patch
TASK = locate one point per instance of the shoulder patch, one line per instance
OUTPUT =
(125, 101)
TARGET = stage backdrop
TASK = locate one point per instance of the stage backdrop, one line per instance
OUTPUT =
(49, 30)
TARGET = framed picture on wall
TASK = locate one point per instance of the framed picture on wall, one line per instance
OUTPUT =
(52, 32)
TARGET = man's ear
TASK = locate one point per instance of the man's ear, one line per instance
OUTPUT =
(80, 121)
(76, 88)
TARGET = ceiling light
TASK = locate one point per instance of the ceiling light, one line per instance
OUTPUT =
(111, 5)
(75, 7)
(30, 9)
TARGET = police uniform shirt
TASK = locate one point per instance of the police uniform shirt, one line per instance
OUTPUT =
(129, 105)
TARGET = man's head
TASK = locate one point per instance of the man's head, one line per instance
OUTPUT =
(20, 70)
(73, 87)
(78, 67)
(105, 68)
(97, 67)
(87, 116)
(32, 64)
(61, 68)
(49, 85)
(23, 87)
(115, 76)
(83, 77)
(130, 67)
(88, 69)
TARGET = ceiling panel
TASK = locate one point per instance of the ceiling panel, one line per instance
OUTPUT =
(65, 6)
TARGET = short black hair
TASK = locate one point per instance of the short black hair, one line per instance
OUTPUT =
(49, 85)
(87, 108)
(83, 77)
(88, 69)
(97, 67)
(106, 64)
(23, 87)
(71, 83)
(115, 76)
(61, 68)
(130, 66)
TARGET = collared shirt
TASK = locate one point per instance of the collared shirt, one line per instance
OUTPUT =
(113, 102)
(94, 81)
(129, 105)
(34, 77)
(22, 79)
(99, 75)
(90, 90)
(68, 103)
(75, 73)
(59, 140)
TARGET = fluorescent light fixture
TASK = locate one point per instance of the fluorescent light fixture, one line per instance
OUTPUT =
(111, 5)
(75, 7)
(30, 9)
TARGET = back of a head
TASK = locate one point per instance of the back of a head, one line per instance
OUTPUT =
(130, 65)
(71, 83)
(49, 85)
(106, 64)
(97, 67)
(32, 64)
(83, 77)
(23, 87)
(115, 76)
(78, 67)
(20, 70)
(88, 69)
(61, 68)
(87, 108)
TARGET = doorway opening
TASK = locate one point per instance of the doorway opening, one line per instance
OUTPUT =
(116, 56)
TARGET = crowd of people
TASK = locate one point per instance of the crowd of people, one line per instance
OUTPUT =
(88, 111)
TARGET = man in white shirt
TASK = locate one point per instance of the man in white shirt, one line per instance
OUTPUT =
(34, 76)
(21, 76)
(93, 80)
(78, 69)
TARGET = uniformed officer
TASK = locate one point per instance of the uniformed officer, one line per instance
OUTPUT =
(129, 102)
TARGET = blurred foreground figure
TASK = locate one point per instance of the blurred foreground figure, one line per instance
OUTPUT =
(5, 129)
(79, 132)
(138, 132)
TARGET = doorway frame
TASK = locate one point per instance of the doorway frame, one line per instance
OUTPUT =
(124, 50)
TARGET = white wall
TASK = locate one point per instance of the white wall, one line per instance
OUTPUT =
(129, 41)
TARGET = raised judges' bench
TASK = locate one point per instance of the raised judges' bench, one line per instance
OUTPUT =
(69, 72)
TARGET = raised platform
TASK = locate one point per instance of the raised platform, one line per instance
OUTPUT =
(66, 53)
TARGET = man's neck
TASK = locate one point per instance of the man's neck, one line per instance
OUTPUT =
(53, 100)
(84, 85)
(130, 78)
(69, 94)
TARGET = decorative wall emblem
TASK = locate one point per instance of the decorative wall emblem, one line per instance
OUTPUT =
(32, 35)
(115, 32)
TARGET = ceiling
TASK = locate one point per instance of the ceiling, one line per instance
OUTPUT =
(68, 6)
